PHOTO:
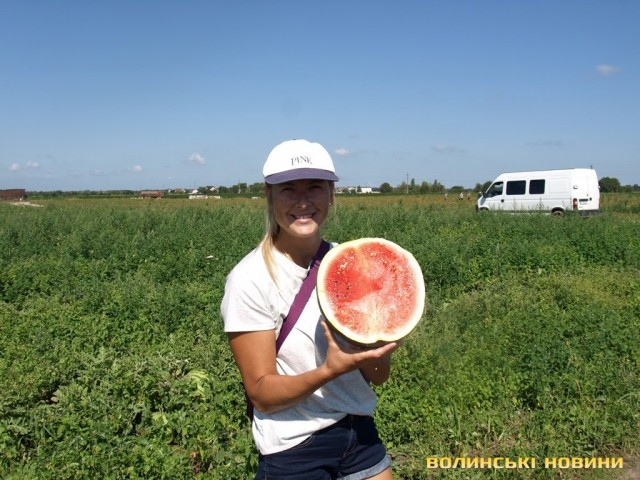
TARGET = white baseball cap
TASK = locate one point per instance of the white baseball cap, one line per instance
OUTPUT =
(298, 160)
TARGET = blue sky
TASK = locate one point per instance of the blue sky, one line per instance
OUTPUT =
(144, 94)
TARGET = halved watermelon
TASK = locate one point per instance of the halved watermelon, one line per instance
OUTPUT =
(371, 290)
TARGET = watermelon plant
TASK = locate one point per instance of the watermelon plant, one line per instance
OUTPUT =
(113, 362)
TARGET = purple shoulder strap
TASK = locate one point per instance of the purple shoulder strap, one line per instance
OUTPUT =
(302, 296)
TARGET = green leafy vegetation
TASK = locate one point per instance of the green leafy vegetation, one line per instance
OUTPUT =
(113, 362)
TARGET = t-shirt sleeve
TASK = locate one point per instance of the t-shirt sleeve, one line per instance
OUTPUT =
(245, 306)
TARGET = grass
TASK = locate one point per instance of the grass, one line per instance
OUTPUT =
(113, 363)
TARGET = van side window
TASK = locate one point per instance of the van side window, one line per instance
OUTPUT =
(494, 190)
(516, 187)
(536, 187)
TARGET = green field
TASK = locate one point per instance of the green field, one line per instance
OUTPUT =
(113, 363)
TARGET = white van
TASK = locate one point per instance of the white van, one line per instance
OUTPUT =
(554, 191)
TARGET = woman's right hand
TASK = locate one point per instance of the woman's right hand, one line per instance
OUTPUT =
(255, 355)
(343, 358)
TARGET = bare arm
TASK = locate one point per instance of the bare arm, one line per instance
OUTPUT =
(377, 372)
(255, 355)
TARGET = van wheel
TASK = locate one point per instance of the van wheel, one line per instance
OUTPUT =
(557, 213)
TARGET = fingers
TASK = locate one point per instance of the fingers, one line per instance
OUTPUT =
(354, 348)
(388, 348)
(328, 333)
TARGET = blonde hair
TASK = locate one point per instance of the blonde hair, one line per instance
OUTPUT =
(267, 244)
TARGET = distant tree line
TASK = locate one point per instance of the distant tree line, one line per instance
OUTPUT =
(607, 185)
(610, 184)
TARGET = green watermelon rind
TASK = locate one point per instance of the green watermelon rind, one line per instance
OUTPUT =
(327, 300)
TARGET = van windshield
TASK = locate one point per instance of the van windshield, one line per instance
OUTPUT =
(494, 190)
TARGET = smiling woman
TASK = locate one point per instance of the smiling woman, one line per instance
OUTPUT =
(312, 400)
(299, 208)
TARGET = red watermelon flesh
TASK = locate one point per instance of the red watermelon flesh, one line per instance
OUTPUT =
(371, 290)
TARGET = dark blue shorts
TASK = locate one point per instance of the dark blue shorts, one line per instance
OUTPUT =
(349, 450)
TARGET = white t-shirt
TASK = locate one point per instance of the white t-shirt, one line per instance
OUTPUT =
(252, 302)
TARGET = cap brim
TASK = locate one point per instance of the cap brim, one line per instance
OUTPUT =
(301, 174)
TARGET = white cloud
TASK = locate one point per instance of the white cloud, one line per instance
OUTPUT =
(197, 158)
(607, 70)
(341, 152)
(137, 168)
(14, 167)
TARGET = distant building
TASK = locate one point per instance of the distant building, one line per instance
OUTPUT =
(13, 195)
(355, 190)
(151, 194)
